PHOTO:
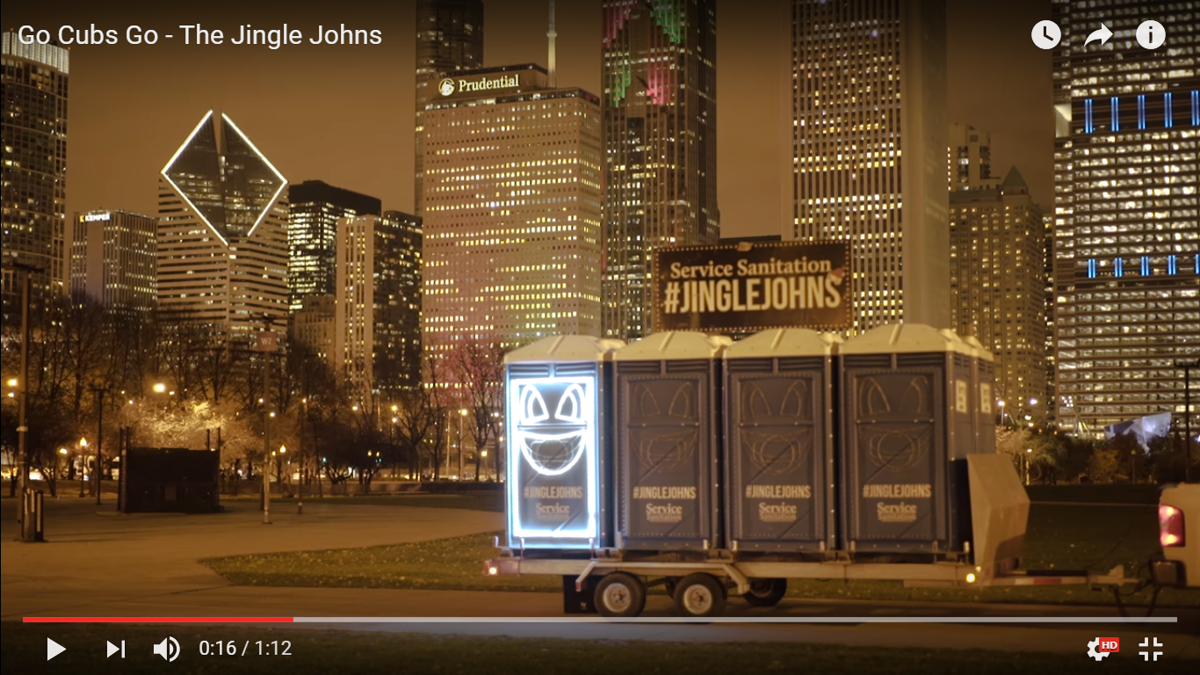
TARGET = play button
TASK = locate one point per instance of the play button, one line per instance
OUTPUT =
(53, 649)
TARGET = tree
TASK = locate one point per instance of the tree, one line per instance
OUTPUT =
(416, 420)
(1165, 460)
(440, 402)
(1103, 467)
(203, 363)
(478, 368)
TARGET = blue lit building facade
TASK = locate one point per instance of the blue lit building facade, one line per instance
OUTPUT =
(1127, 213)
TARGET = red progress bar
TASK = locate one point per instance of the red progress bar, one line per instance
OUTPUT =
(157, 619)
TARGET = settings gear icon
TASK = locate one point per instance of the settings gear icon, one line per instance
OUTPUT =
(1099, 656)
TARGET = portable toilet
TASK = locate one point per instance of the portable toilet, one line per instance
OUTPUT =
(907, 426)
(780, 479)
(556, 430)
(984, 386)
(667, 432)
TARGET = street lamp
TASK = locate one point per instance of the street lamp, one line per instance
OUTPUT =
(1000, 403)
(160, 388)
(279, 466)
(462, 414)
(82, 463)
(1028, 457)
(1187, 367)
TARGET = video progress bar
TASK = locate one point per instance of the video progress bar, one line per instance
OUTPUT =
(601, 619)
(748, 619)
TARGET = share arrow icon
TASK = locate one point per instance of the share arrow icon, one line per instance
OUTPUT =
(1102, 35)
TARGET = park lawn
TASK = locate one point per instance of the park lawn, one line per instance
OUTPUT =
(478, 500)
(1060, 537)
(322, 651)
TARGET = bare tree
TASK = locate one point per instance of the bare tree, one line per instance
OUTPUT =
(440, 402)
(478, 368)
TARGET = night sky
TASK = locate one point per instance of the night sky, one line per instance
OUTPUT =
(344, 114)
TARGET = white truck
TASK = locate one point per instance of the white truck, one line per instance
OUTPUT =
(1179, 535)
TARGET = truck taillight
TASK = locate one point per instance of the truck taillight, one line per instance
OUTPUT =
(1170, 526)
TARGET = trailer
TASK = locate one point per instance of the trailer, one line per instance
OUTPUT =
(613, 582)
(708, 467)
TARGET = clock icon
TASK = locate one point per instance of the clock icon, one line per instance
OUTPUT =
(1046, 34)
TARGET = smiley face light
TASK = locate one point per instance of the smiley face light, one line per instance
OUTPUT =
(554, 422)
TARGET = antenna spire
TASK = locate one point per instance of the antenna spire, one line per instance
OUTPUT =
(552, 35)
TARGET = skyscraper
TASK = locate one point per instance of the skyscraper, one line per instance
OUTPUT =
(970, 156)
(660, 133)
(449, 40)
(512, 209)
(314, 326)
(377, 313)
(222, 232)
(997, 275)
(34, 171)
(869, 150)
(314, 208)
(1127, 212)
(114, 259)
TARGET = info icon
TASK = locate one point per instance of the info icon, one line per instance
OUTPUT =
(1151, 34)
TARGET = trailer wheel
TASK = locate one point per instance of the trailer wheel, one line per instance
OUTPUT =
(765, 592)
(699, 595)
(620, 595)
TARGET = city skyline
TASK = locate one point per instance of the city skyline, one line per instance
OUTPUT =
(660, 112)
(512, 207)
(868, 150)
(989, 50)
(1126, 216)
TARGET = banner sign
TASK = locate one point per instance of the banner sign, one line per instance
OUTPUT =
(751, 287)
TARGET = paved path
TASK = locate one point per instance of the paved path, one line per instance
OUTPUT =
(102, 564)
(97, 559)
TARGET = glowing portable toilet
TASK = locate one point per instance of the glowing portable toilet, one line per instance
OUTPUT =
(779, 428)
(911, 407)
(667, 438)
(556, 429)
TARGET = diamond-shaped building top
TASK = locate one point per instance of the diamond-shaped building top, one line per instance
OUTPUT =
(224, 177)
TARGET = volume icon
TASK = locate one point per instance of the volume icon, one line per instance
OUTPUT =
(168, 649)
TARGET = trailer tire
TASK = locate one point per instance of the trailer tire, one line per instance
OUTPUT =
(765, 592)
(620, 595)
(699, 595)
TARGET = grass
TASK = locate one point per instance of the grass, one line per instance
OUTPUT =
(24, 649)
(1062, 537)
(474, 501)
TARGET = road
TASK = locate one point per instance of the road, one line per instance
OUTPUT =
(99, 563)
